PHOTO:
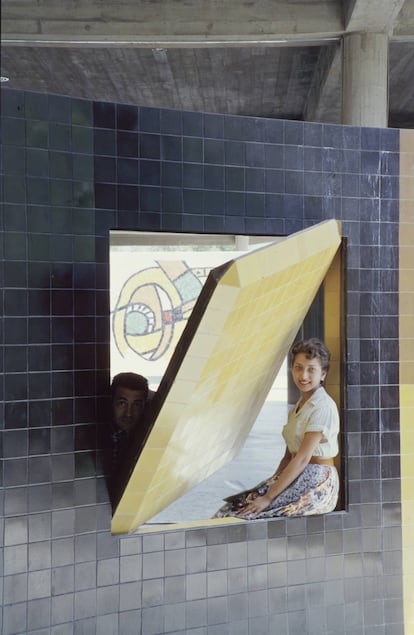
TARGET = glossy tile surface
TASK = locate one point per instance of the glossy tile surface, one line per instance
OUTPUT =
(257, 305)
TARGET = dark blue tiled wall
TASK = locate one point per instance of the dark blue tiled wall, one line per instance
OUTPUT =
(71, 171)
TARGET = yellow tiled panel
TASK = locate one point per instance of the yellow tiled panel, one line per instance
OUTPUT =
(409, 562)
(409, 538)
(406, 303)
(408, 581)
(407, 164)
(406, 279)
(406, 371)
(334, 374)
(335, 392)
(408, 352)
(190, 524)
(265, 295)
(407, 395)
(405, 324)
(406, 212)
(406, 315)
(406, 141)
(407, 236)
(407, 490)
(407, 263)
(406, 187)
(408, 463)
(408, 515)
(406, 419)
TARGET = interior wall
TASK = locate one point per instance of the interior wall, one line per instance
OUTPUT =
(71, 171)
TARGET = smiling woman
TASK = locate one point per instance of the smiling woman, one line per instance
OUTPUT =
(306, 481)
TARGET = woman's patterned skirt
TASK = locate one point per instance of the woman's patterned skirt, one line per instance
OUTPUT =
(314, 491)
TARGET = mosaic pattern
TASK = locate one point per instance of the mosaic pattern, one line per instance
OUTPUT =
(68, 177)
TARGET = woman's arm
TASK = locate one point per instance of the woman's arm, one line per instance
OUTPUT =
(283, 463)
(295, 467)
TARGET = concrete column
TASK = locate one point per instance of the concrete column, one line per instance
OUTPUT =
(365, 80)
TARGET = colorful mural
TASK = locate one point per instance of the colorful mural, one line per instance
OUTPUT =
(153, 306)
(153, 290)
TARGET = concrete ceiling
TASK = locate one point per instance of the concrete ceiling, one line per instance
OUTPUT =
(266, 58)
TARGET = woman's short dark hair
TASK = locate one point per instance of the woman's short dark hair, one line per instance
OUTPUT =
(312, 348)
(133, 381)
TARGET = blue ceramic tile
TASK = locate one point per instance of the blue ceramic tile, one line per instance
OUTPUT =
(82, 112)
(14, 189)
(273, 131)
(255, 204)
(193, 223)
(171, 147)
(193, 201)
(274, 181)
(234, 152)
(172, 200)
(192, 124)
(213, 177)
(127, 171)
(149, 199)
(234, 225)
(105, 142)
(255, 156)
(213, 151)
(293, 157)
(172, 174)
(39, 414)
(390, 163)
(214, 126)
(15, 159)
(171, 121)
(58, 137)
(149, 119)
(352, 137)
(126, 117)
(213, 201)
(214, 224)
(193, 150)
(105, 169)
(149, 146)
(82, 140)
(252, 179)
(389, 139)
(105, 196)
(104, 114)
(235, 203)
(294, 132)
(370, 138)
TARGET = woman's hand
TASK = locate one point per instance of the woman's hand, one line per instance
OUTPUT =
(256, 506)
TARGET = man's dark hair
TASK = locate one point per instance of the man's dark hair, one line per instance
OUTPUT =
(133, 381)
(311, 348)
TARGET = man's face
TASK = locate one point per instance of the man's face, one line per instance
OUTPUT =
(127, 407)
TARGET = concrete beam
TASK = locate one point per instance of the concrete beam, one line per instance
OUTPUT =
(169, 22)
(368, 16)
(172, 23)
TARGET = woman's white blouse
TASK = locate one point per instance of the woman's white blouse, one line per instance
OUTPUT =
(318, 414)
